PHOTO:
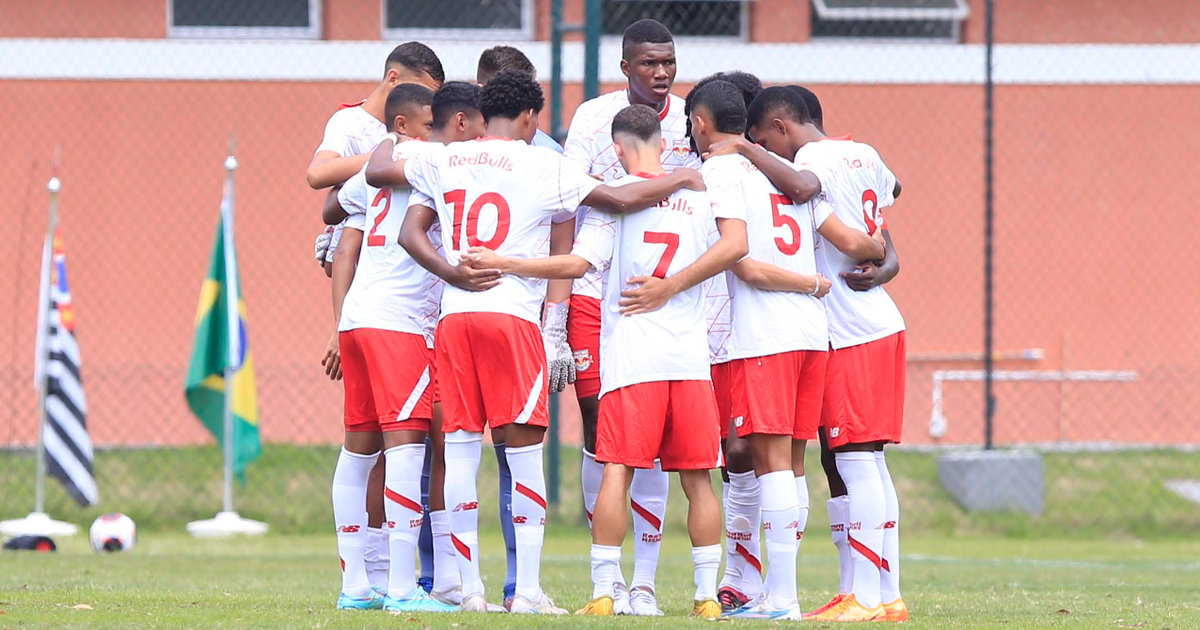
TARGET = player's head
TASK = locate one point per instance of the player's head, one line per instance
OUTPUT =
(749, 84)
(648, 61)
(513, 97)
(456, 115)
(715, 109)
(636, 136)
(414, 62)
(499, 58)
(813, 104)
(408, 110)
(776, 120)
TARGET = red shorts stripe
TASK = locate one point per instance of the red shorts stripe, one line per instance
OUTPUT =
(403, 501)
(864, 392)
(462, 548)
(647, 515)
(749, 557)
(534, 496)
(868, 554)
(673, 421)
(583, 335)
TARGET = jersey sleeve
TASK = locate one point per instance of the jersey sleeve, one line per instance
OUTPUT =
(596, 240)
(337, 137)
(579, 141)
(422, 172)
(725, 193)
(807, 162)
(353, 194)
(564, 186)
(356, 221)
(887, 185)
(821, 209)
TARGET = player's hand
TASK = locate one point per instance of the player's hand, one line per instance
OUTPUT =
(483, 258)
(469, 278)
(865, 277)
(643, 294)
(823, 286)
(691, 178)
(732, 146)
(597, 176)
(558, 353)
(321, 245)
(333, 359)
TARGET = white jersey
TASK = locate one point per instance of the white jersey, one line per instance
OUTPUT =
(350, 131)
(717, 311)
(859, 185)
(590, 144)
(669, 344)
(779, 233)
(499, 194)
(391, 291)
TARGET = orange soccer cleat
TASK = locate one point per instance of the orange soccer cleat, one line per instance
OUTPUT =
(837, 599)
(707, 609)
(602, 606)
(896, 611)
(850, 610)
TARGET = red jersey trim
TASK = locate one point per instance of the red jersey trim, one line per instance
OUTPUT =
(645, 175)
(487, 138)
(838, 138)
(661, 115)
(349, 105)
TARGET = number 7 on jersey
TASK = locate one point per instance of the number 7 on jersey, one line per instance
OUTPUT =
(671, 240)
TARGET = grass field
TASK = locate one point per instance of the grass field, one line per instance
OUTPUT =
(290, 581)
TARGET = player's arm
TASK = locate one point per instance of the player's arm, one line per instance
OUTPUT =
(330, 169)
(851, 242)
(800, 186)
(414, 238)
(642, 195)
(768, 277)
(381, 169)
(560, 267)
(345, 261)
(867, 276)
(650, 293)
(333, 213)
(562, 236)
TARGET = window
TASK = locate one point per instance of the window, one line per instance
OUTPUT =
(244, 18)
(888, 19)
(479, 19)
(685, 18)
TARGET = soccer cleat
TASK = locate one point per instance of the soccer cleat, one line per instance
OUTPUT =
(474, 603)
(601, 606)
(370, 602)
(761, 609)
(830, 604)
(452, 596)
(896, 611)
(731, 599)
(379, 590)
(707, 609)
(850, 610)
(643, 603)
(542, 605)
(417, 601)
(621, 605)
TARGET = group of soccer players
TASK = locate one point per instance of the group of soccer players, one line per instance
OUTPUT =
(706, 271)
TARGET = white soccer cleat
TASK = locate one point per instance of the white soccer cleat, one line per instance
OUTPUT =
(621, 604)
(452, 596)
(761, 609)
(542, 605)
(644, 603)
(473, 603)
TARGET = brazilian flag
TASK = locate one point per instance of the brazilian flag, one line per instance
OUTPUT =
(213, 352)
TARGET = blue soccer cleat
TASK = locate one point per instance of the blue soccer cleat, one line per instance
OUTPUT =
(762, 609)
(417, 601)
(370, 602)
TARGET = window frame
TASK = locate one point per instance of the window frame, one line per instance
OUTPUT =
(743, 35)
(956, 16)
(312, 31)
(524, 33)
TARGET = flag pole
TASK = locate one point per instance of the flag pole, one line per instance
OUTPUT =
(228, 522)
(38, 522)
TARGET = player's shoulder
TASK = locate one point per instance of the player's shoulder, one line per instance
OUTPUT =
(348, 113)
(597, 110)
(413, 148)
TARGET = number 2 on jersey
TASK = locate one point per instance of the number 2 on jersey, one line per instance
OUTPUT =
(385, 195)
(779, 219)
(458, 199)
(671, 240)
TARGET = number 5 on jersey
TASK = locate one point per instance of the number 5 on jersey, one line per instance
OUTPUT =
(791, 245)
(458, 199)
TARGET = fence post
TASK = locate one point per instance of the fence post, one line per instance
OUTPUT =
(989, 400)
(592, 25)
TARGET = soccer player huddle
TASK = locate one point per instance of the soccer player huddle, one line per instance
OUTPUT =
(707, 272)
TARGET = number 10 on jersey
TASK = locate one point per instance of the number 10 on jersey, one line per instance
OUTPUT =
(458, 199)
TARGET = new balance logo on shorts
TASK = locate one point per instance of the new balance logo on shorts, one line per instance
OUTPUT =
(834, 431)
(739, 421)
(462, 507)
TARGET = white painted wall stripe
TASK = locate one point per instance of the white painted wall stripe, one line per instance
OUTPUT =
(866, 62)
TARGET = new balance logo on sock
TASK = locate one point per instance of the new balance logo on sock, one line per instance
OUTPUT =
(889, 525)
(390, 524)
(462, 507)
(348, 529)
(793, 525)
(799, 535)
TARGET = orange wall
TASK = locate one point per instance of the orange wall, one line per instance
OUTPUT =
(1094, 227)
(1017, 21)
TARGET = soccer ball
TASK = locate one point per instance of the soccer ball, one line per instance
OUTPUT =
(113, 532)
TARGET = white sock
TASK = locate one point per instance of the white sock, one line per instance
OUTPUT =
(839, 523)
(350, 518)
(706, 561)
(529, 515)
(591, 473)
(445, 563)
(462, 502)
(648, 497)
(781, 517)
(743, 517)
(377, 555)
(865, 531)
(889, 577)
(802, 501)
(402, 504)
(606, 562)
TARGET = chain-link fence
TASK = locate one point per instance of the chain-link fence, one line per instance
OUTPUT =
(1092, 108)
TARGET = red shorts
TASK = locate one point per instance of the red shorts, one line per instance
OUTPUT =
(864, 392)
(491, 371)
(673, 421)
(779, 394)
(583, 335)
(387, 376)
(720, 383)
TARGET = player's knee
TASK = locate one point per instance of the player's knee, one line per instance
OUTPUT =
(738, 457)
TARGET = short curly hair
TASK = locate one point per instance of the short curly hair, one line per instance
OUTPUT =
(509, 93)
(639, 121)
